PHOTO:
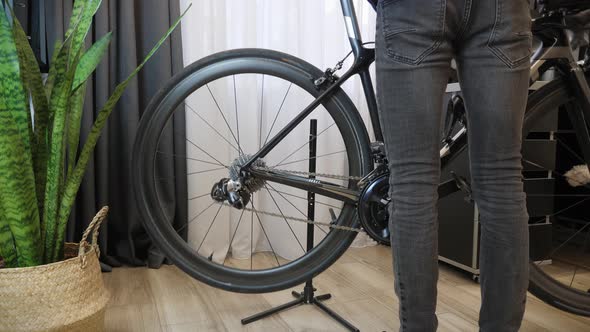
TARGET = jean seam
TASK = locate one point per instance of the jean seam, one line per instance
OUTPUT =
(397, 32)
(466, 19)
(496, 50)
(404, 59)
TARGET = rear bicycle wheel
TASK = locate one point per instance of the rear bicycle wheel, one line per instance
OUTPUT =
(234, 102)
(558, 201)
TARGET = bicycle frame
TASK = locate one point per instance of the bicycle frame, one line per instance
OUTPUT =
(558, 55)
(363, 58)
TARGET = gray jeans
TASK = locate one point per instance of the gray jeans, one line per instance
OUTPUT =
(491, 43)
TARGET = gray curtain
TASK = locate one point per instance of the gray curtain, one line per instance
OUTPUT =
(136, 26)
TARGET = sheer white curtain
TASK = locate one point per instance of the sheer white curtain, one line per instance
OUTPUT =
(313, 30)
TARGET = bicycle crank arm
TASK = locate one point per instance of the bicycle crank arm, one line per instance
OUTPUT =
(448, 187)
(312, 185)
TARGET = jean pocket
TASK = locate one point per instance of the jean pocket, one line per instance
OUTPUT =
(412, 29)
(511, 37)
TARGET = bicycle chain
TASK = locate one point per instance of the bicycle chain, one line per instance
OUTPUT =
(323, 175)
(306, 221)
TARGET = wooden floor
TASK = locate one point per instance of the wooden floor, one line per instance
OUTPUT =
(361, 284)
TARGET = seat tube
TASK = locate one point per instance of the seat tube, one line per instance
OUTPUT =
(352, 27)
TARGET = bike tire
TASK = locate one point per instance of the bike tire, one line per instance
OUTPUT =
(542, 285)
(161, 109)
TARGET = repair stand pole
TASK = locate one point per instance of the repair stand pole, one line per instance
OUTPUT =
(307, 296)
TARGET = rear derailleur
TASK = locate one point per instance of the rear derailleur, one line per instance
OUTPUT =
(231, 191)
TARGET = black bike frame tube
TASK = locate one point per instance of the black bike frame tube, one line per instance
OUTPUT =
(352, 27)
(331, 190)
(311, 185)
(364, 57)
(371, 103)
(297, 119)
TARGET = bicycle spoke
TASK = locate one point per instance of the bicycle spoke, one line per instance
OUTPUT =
(582, 250)
(265, 235)
(571, 237)
(293, 205)
(316, 157)
(222, 115)
(171, 178)
(286, 221)
(207, 171)
(573, 153)
(277, 115)
(205, 152)
(194, 218)
(212, 128)
(574, 276)
(233, 236)
(261, 108)
(197, 197)
(305, 199)
(236, 108)
(208, 229)
(306, 143)
(569, 207)
(189, 158)
(251, 236)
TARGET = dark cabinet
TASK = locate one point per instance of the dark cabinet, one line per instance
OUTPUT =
(459, 222)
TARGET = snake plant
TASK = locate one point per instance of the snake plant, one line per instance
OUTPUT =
(40, 167)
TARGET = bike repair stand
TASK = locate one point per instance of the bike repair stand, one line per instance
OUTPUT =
(307, 296)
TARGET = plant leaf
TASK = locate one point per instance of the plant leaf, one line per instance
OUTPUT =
(74, 123)
(34, 83)
(17, 181)
(7, 248)
(90, 60)
(74, 180)
(64, 49)
(79, 33)
(75, 17)
(51, 75)
(64, 72)
(17, 191)
(58, 106)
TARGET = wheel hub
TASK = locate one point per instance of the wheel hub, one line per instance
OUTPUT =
(247, 183)
(238, 188)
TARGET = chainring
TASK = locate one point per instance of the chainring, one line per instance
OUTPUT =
(373, 209)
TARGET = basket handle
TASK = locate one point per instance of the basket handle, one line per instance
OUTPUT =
(92, 228)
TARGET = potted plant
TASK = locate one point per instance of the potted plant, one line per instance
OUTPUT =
(41, 169)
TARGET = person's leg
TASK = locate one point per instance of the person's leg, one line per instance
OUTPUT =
(412, 68)
(494, 73)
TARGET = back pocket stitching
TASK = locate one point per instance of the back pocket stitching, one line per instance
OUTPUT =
(497, 50)
(398, 31)
(392, 54)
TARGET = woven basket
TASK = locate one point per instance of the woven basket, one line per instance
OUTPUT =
(63, 296)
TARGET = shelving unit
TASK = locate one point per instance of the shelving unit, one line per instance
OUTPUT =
(459, 222)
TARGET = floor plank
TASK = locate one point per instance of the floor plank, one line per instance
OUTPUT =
(361, 284)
